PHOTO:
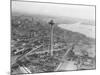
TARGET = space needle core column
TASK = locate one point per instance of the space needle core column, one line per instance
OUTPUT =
(51, 36)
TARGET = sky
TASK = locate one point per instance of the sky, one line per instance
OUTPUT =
(74, 11)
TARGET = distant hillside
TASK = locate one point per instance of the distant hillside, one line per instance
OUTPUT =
(59, 19)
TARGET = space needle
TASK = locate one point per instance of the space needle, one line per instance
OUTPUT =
(51, 23)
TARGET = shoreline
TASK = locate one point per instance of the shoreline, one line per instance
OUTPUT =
(86, 30)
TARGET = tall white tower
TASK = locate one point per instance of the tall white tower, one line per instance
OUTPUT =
(51, 36)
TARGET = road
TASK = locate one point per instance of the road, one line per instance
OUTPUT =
(19, 58)
(66, 65)
(24, 69)
(49, 50)
(69, 65)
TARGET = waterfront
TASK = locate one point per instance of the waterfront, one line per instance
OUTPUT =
(88, 30)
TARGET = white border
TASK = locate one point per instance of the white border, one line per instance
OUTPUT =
(5, 37)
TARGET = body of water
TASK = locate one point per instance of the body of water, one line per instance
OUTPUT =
(88, 30)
